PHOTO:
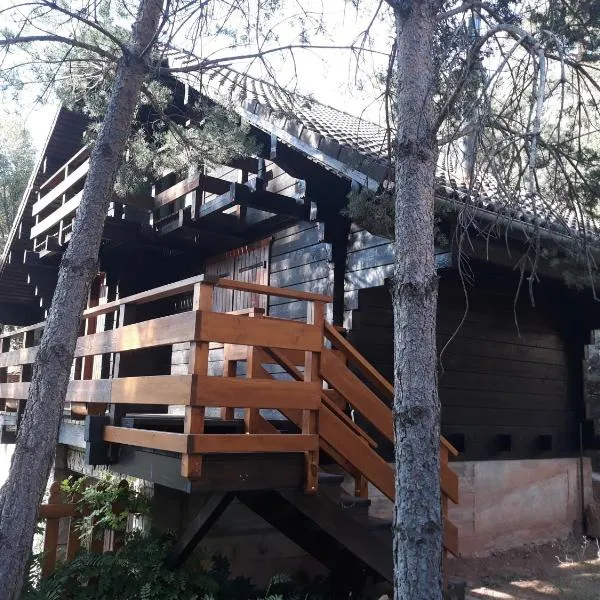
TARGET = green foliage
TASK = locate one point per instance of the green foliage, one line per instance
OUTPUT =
(107, 504)
(375, 212)
(166, 137)
(16, 162)
(137, 572)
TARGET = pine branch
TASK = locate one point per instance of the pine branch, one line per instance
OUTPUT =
(58, 39)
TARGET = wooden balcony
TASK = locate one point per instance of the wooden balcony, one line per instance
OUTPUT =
(59, 198)
(299, 369)
(202, 210)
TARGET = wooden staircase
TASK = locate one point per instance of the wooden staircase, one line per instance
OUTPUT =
(308, 372)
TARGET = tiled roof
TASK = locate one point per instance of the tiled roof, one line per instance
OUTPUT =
(357, 143)
(359, 149)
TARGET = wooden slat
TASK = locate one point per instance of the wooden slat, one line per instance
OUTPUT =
(256, 393)
(15, 391)
(158, 293)
(22, 330)
(356, 393)
(80, 155)
(280, 359)
(157, 389)
(451, 449)
(55, 217)
(187, 285)
(147, 334)
(360, 455)
(212, 185)
(233, 329)
(242, 443)
(24, 356)
(45, 201)
(231, 284)
(51, 534)
(158, 440)
(89, 390)
(340, 342)
(294, 357)
(57, 511)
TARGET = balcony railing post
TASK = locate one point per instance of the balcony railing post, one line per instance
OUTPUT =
(191, 464)
(310, 418)
(229, 370)
(253, 370)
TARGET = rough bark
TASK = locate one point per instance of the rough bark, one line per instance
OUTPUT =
(417, 516)
(38, 432)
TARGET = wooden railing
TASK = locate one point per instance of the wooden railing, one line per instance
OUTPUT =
(59, 198)
(314, 388)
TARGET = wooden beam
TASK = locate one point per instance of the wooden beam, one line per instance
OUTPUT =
(380, 382)
(147, 334)
(354, 356)
(53, 195)
(157, 389)
(356, 393)
(57, 511)
(78, 156)
(158, 293)
(56, 216)
(233, 329)
(15, 391)
(204, 183)
(237, 194)
(280, 359)
(207, 516)
(24, 356)
(89, 390)
(450, 538)
(256, 393)
(157, 440)
(242, 286)
(235, 443)
(278, 204)
(138, 201)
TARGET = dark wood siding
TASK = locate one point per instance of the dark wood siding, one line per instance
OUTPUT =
(300, 260)
(506, 392)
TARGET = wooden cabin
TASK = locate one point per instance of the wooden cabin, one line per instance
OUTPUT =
(236, 351)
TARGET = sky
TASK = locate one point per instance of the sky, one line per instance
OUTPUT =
(330, 76)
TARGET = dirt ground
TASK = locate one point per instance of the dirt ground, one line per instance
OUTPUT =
(569, 570)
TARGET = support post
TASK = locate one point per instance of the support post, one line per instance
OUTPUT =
(229, 370)
(310, 418)
(253, 370)
(191, 464)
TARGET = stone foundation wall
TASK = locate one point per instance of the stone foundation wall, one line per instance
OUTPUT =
(508, 503)
(504, 504)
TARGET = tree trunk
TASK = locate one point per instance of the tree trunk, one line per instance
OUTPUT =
(417, 515)
(38, 432)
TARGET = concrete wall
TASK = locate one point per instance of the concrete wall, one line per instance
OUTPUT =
(509, 503)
